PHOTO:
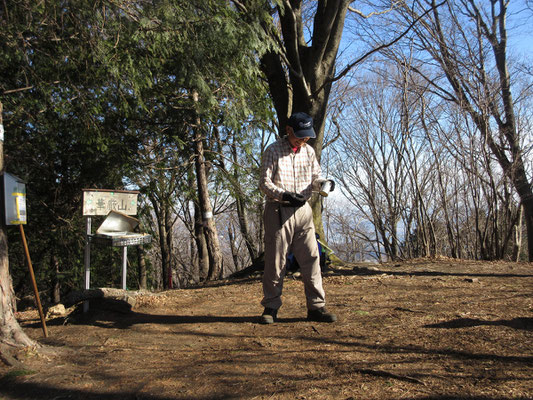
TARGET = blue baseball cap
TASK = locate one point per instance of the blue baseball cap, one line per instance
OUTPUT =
(302, 125)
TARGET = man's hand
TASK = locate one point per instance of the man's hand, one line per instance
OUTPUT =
(294, 199)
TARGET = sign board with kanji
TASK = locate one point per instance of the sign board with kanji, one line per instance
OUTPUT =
(101, 202)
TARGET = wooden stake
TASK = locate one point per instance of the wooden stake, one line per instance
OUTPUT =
(34, 283)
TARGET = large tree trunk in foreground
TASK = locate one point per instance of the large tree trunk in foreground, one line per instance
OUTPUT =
(10, 331)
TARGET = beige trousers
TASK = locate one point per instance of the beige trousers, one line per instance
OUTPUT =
(289, 229)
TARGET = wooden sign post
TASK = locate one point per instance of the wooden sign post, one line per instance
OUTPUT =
(34, 283)
(14, 201)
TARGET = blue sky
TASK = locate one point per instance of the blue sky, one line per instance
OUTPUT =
(520, 24)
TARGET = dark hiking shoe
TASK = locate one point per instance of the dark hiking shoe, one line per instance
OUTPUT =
(269, 316)
(321, 315)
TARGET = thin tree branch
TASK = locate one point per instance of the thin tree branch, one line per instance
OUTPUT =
(375, 50)
(361, 14)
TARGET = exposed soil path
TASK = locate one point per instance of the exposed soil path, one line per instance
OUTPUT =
(416, 330)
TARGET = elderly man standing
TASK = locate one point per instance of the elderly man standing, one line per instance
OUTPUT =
(289, 174)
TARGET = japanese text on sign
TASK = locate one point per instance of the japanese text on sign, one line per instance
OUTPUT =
(96, 202)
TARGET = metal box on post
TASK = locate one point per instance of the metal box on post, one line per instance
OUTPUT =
(14, 200)
(13, 207)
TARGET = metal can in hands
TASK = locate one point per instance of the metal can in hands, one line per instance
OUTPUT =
(325, 188)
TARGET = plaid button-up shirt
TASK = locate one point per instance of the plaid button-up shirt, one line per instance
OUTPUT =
(283, 170)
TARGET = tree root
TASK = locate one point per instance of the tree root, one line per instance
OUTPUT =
(6, 356)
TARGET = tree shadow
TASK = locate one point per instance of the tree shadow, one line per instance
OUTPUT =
(515, 323)
(27, 390)
(120, 320)
(376, 271)
(136, 318)
(422, 351)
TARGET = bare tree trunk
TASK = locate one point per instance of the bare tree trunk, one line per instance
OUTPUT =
(233, 247)
(242, 213)
(511, 216)
(199, 261)
(168, 247)
(161, 218)
(442, 188)
(165, 223)
(235, 175)
(525, 191)
(141, 267)
(201, 245)
(206, 210)
(518, 236)
(56, 283)
(10, 331)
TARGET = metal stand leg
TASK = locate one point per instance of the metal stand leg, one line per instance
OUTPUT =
(87, 262)
(124, 266)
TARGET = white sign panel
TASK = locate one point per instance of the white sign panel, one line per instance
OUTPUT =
(101, 202)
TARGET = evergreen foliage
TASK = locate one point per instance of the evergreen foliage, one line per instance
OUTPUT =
(96, 94)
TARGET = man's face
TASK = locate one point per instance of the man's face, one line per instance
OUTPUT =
(293, 140)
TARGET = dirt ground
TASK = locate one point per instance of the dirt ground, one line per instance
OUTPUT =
(416, 330)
